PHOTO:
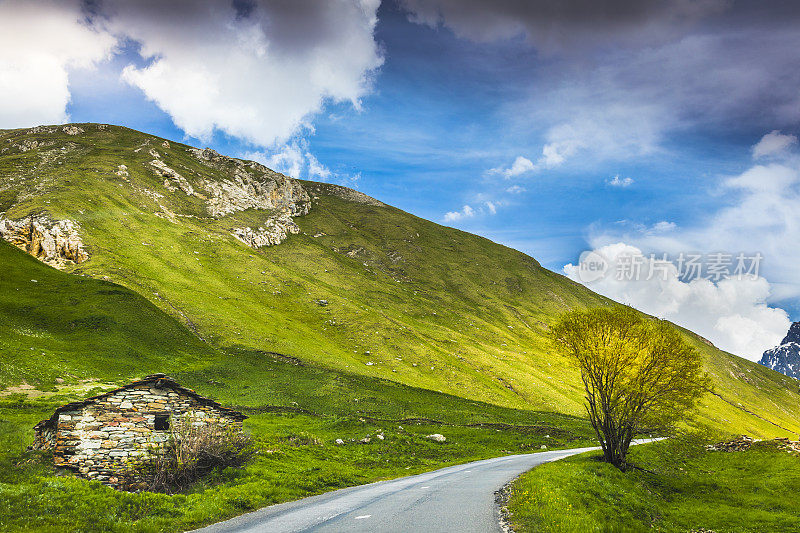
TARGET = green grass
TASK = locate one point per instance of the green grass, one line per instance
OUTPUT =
(452, 324)
(426, 305)
(86, 329)
(297, 457)
(679, 487)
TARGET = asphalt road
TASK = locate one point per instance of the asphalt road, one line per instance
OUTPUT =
(453, 499)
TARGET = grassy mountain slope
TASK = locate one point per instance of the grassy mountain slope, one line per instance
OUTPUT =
(83, 327)
(407, 300)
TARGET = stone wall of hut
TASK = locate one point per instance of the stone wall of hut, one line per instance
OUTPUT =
(100, 439)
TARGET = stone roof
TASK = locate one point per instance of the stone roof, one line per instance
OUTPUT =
(159, 380)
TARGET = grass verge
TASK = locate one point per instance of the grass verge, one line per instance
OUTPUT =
(677, 487)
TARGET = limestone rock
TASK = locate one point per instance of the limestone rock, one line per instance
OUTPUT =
(174, 180)
(437, 437)
(53, 242)
(72, 130)
(251, 186)
(275, 231)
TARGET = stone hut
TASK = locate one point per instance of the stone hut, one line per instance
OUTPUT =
(98, 436)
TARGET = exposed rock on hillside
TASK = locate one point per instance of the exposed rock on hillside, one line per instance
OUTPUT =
(54, 242)
(252, 186)
(174, 180)
(273, 232)
(72, 130)
(785, 358)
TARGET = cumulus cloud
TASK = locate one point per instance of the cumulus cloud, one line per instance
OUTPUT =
(484, 208)
(41, 44)
(295, 159)
(259, 73)
(732, 313)
(761, 213)
(455, 216)
(564, 144)
(520, 166)
(515, 189)
(773, 143)
(617, 181)
(257, 70)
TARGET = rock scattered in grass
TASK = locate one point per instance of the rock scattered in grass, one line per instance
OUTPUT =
(437, 437)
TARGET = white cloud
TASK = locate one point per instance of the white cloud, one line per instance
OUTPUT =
(521, 165)
(41, 44)
(258, 72)
(516, 189)
(289, 159)
(317, 170)
(554, 154)
(773, 143)
(732, 313)
(663, 226)
(258, 77)
(485, 208)
(616, 181)
(295, 159)
(455, 216)
(760, 213)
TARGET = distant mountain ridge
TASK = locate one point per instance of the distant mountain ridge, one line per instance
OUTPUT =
(785, 358)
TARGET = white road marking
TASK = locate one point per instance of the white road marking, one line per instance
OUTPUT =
(363, 516)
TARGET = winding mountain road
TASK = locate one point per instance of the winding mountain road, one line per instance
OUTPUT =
(453, 499)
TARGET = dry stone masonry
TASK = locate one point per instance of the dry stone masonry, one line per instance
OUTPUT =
(97, 438)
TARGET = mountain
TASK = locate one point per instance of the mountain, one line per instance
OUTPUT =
(248, 259)
(785, 358)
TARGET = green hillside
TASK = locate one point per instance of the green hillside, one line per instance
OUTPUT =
(364, 288)
(81, 327)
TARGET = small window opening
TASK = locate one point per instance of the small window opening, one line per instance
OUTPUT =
(162, 422)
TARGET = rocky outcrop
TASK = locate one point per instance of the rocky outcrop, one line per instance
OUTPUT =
(251, 186)
(244, 191)
(173, 181)
(785, 358)
(275, 231)
(31, 144)
(744, 443)
(53, 242)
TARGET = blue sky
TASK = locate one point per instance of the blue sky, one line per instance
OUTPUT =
(551, 131)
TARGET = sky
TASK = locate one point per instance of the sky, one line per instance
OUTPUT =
(658, 135)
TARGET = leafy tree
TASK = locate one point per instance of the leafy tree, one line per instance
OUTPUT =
(639, 374)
